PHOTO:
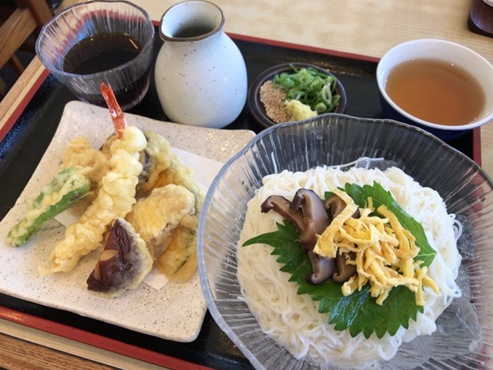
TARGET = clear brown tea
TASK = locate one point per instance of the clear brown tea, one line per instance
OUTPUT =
(436, 91)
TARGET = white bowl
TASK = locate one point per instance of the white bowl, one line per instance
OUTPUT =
(470, 61)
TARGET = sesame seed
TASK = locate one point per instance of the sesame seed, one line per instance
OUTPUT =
(273, 100)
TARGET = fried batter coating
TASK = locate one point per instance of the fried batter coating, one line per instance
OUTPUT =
(179, 260)
(66, 189)
(80, 153)
(115, 199)
(158, 158)
(123, 264)
(163, 210)
(179, 174)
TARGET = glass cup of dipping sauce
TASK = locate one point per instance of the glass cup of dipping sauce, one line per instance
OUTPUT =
(99, 41)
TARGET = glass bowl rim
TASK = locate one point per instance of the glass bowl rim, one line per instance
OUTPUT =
(204, 281)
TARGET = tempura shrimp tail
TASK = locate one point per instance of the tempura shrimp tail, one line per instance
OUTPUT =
(115, 110)
(115, 199)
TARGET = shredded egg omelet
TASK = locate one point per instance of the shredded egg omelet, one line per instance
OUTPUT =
(385, 251)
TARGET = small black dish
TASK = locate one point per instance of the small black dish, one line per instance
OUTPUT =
(257, 108)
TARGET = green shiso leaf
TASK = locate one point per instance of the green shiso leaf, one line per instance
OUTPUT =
(357, 312)
(382, 197)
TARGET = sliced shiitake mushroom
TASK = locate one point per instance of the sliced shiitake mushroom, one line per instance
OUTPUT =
(315, 217)
(323, 268)
(281, 205)
(308, 214)
(344, 271)
(336, 205)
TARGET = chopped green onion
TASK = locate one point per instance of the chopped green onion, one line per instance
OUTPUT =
(320, 107)
(310, 87)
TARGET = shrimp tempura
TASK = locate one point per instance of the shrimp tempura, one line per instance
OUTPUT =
(115, 199)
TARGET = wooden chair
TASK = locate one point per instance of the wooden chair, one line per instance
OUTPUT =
(22, 18)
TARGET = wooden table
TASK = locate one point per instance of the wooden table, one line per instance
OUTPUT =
(363, 27)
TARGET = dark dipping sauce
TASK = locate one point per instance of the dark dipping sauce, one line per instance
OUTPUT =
(104, 52)
(192, 31)
(101, 53)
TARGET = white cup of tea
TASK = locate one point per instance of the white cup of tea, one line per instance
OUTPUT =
(440, 86)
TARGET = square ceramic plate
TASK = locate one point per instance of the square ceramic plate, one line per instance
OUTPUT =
(176, 311)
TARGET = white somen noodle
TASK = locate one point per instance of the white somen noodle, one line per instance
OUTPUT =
(293, 320)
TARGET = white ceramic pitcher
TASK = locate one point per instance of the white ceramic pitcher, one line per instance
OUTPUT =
(200, 73)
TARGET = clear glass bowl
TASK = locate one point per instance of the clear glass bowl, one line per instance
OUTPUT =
(334, 139)
(129, 81)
